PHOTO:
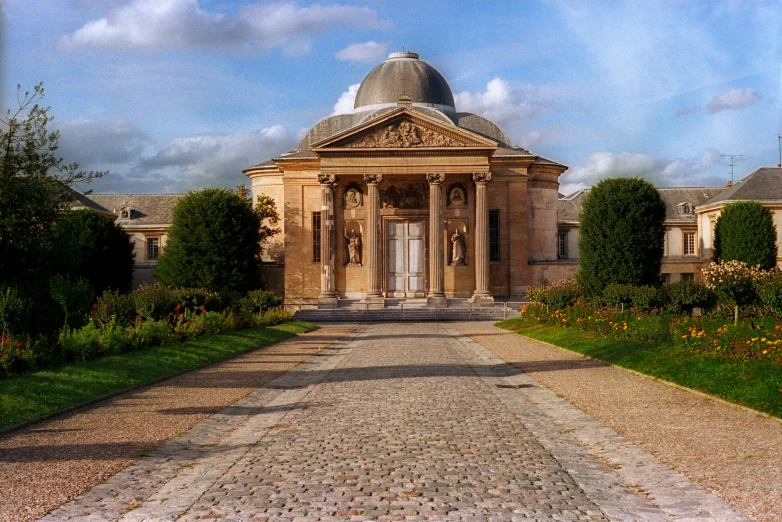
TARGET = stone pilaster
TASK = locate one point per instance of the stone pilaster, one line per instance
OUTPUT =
(436, 295)
(374, 237)
(328, 293)
(482, 294)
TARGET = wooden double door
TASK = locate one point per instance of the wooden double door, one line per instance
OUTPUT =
(405, 257)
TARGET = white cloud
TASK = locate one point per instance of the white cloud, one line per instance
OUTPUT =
(96, 144)
(158, 24)
(733, 99)
(659, 171)
(506, 104)
(529, 140)
(687, 110)
(367, 52)
(218, 160)
(346, 100)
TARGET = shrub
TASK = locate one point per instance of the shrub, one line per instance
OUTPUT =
(214, 243)
(95, 248)
(152, 333)
(195, 298)
(275, 316)
(745, 231)
(264, 299)
(621, 235)
(73, 296)
(93, 341)
(155, 301)
(769, 289)
(683, 296)
(617, 294)
(13, 311)
(202, 324)
(733, 281)
(112, 304)
(558, 294)
(646, 298)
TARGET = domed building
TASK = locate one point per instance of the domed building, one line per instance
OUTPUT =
(406, 197)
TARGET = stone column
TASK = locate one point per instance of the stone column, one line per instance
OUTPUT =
(482, 294)
(436, 295)
(374, 237)
(328, 293)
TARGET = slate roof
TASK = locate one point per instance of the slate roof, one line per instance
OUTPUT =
(569, 207)
(148, 209)
(765, 184)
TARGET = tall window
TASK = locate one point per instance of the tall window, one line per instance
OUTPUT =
(689, 243)
(562, 245)
(494, 235)
(153, 248)
(316, 237)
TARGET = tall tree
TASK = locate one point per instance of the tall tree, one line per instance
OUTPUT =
(745, 231)
(34, 188)
(621, 235)
(214, 243)
(94, 248)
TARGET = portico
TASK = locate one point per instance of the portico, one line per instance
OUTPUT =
(406, 198)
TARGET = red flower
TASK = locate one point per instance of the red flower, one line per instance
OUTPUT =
(203, 308)
(178, 308)
(20, 345)
(105, 305)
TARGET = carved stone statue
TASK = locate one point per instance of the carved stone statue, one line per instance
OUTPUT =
(459, 249)
(354, 247)
(352, 198)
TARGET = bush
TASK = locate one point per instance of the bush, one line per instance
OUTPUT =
(112, 304)
(155, 301)
(617, 294)
(745, 231)
(275, 316)
(733, 281)
(621, 235)
(202, 324)
(214, 243)
(152, 333)
(683, 296)
(93, 341)
(93, 247)
(264, 299)
(13, 312)
(559, 294)
(769, 289)
(646, 298)
(195, 298)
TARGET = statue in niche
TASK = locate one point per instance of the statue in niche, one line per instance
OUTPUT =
(459, 249)
(354, 247)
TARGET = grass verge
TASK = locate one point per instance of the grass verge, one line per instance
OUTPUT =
(32, 395)
(756, 384)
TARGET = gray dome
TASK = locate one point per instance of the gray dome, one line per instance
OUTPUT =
(404, 74)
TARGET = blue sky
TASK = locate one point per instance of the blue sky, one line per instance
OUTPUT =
(173, 95)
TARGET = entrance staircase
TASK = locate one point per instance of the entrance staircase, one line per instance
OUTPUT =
(411, 310)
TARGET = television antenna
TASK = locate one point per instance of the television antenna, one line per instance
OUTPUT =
(779, 142)
(732, 163)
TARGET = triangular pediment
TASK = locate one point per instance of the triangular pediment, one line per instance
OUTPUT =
(403, 129)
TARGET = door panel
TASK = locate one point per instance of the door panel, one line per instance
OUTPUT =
(405, 258)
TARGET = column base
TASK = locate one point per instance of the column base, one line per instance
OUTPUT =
(437, 301)
(326, 302)
(375, 301)
(482, 299)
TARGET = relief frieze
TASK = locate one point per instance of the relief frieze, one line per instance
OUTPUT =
(410, 196)
(405, 134)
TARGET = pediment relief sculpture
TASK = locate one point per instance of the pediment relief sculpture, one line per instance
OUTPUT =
(405, 134)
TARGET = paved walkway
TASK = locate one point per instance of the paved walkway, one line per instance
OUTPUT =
(399, 422)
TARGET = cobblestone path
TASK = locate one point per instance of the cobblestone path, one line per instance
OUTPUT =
(396, 422)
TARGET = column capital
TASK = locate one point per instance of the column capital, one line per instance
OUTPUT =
(373, 178)
(481, 177)
(435, 177)
(327, 179)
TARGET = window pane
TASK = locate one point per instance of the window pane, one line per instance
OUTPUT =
(316, 237)
(562, 246)
(153, 248)
(494, 235)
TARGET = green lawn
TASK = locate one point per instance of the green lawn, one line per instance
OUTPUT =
(757, 384)
(29, 396)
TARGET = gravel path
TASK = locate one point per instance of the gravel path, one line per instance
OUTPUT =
(47, 464)
(732, 451)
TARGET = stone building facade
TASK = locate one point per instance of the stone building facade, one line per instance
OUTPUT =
(407, 198)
